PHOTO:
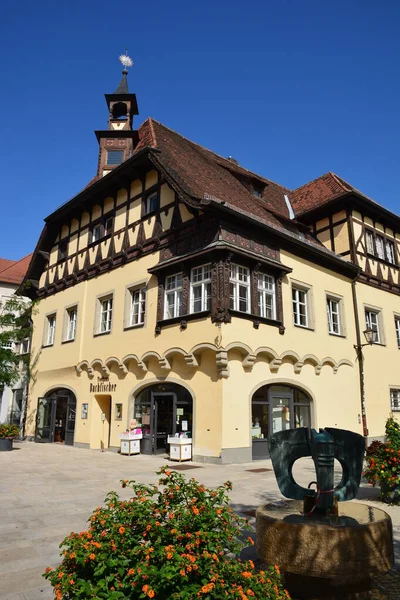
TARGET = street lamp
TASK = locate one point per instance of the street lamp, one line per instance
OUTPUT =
(371, 336)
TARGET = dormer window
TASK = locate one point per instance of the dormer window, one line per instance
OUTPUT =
(115, 157)
(258, 190)
(102, 229)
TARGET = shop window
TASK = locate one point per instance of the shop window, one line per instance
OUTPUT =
(266, 296)
(173, 296)
(200, 288)
(84, 410)
(240, 288)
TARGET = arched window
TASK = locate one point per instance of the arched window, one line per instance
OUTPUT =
(277, 408)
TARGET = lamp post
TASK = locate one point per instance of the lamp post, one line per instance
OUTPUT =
(371, 336)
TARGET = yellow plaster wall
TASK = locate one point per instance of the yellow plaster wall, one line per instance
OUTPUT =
(341, 238)
(151, 178)
(167, 195)
(325, 238)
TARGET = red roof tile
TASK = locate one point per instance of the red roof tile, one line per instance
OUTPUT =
(14, 272)
(318, 192)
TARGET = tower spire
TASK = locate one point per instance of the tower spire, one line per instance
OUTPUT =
(123, 84)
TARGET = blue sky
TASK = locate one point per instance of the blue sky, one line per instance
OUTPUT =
(290, 88)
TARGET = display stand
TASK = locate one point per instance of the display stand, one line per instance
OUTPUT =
(130, 443)
(180, 448)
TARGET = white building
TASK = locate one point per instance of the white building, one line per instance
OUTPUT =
(13, 399)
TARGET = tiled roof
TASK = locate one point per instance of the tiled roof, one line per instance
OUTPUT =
(14, 271)
(203, 174)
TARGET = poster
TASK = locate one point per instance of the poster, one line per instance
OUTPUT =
(184, 425)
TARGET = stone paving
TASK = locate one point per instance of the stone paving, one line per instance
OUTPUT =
(49, 490)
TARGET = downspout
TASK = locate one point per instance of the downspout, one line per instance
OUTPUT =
(360, 357)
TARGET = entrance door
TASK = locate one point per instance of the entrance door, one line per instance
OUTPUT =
(280, 411)
(44, 420)
(70, 421)
(163, 410)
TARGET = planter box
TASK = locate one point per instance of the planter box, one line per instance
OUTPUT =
(6, 444)
(260, 449)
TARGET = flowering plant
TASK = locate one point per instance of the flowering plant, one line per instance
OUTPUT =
(8, 431)
(175, 540)
(383, 463)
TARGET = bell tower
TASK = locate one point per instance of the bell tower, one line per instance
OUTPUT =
(119, 140)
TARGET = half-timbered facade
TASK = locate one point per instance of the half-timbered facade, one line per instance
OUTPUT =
(177, 290)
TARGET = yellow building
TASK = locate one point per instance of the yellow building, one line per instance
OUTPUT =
(178, 292)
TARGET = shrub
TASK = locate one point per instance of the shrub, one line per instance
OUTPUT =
(383, 463)
(175, 540)
(8, 431)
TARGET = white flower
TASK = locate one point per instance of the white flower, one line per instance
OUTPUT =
(126, 60)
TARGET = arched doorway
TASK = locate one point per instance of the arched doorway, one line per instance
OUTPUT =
(275, 408)
(55, 417)
(161, 410)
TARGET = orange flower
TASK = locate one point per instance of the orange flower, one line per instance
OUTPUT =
(182, 572)
(145, 588)
(60, 575)
(92, 556)
(148, 527)
(173, 531)
(219, 511)
(49, 569)
(250, 540)
(247, 574)
(168, 472)
(169, 555)
(150, 593)
(121, 530)
(131, 572)
(71, 581)
(277, 569)
(195, 510)
(72, 555)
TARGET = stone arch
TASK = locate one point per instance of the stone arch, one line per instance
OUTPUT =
(114, 360)
(127, 359)
(97, 362)
(84, 364)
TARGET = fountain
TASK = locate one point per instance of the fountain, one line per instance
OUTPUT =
(327, 547)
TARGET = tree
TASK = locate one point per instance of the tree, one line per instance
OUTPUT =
(15, 328)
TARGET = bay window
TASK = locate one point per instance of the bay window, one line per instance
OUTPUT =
(266, 296)
(173, 296)
(200, 288)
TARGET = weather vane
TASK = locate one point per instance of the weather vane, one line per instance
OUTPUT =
(126, 60)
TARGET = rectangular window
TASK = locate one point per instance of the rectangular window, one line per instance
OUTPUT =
(395, 400)
(200, 288)
(380, 247)
(106, 308)
(173, 296)
(300, 308)
(24, 346)
(72, 315)
(118, 411)
(372, 322)
(15, 416)
(7, 345)
(115, 157)
(152, 203)
(102, 229)
(62, 250)
(266, 296)
(137, 306)
(333, 311)
(51, 329)
(239, 284)
(397, 326)
(84, 410)
(389, 247)
(369, 241)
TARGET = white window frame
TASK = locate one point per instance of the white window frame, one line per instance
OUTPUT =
(101, 229)
(51, 322)
(266, 289)
(149, 199)
(23, 350)
(173, 289)
(369, 242)
(397, 327)
(395, 392)
(373, 318)
(71, 324)
(390, 251)
(239, 278)
(297, 303)
(106, 307)
(334, 311)
(203, 284)
(137, 300)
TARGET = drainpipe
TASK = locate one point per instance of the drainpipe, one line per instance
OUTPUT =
(360, 358)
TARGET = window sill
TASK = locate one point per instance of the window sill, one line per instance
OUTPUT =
(47, 345)
(182, 319)
(305, 327)
(67, 341)
(102, 239)
(256, 318)
(383, 260)
(138, 326)
(99, 333)
(337, 335)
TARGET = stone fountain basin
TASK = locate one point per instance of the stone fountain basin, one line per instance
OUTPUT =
(352, 546)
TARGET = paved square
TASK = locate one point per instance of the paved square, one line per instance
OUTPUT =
(49, 490)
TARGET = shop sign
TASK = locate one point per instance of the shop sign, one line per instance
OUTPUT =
(102, 386)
